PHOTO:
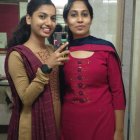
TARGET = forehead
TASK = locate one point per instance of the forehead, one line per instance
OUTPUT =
(78, 5)
(48, 9)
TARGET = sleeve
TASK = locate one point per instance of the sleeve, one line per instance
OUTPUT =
(116, 82)
(27, 92)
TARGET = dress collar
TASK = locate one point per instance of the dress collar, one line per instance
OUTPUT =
(80, 41)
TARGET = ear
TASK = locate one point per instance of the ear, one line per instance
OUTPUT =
(28, 19)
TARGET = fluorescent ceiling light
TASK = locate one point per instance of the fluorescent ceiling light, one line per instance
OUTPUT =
(59, 3)
(109, 1)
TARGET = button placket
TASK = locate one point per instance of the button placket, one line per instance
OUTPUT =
(82, 98)
(80, 95)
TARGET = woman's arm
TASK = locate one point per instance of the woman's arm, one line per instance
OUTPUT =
(116, 82)
(28, 92)
(119, 123)
(118, 95)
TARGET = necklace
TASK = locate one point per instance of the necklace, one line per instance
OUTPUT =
(43, 55)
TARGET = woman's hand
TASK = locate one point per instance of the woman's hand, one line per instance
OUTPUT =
(58, 57)
(119, 135)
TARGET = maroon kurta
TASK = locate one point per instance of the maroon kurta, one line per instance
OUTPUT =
(93, 90)
(43, 121)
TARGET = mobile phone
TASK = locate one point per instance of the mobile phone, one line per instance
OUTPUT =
(59, 38)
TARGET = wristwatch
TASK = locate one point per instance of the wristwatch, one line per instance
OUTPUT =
(45, 69)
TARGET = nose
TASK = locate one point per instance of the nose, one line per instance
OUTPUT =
(80, 19)
(48, 21)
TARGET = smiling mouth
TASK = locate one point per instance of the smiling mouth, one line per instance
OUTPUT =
(46, 30)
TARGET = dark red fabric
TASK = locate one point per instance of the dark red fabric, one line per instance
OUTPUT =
(93, 90)
(43, 123)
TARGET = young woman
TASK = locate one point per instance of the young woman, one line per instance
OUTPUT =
(93, 100)
(32, 71)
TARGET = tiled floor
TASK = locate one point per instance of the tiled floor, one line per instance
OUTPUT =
(3, 136)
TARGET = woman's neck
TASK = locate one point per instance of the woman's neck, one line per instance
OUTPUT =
(35, 44)
(80, 36)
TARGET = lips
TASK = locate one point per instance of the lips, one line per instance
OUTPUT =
(46, 30)
(80, 27)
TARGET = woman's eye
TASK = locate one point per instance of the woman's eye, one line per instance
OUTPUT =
(85, 14)
(42, 16)
(73, 14)
(53, 18)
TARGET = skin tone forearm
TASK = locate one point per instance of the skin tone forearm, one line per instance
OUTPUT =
(119, 123)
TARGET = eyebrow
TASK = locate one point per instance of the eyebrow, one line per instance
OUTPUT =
(46, 14)
(78, 10)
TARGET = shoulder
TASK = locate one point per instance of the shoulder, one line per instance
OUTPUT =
(16, 48)
(14, 55)
(105, 46)
(101, 42)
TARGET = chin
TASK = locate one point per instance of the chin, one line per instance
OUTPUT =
(46, 35)
(81, 35)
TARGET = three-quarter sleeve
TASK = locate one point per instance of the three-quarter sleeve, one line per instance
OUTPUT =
(115, 82)
(27, 91)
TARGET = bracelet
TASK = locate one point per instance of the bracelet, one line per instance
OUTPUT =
(45, 69)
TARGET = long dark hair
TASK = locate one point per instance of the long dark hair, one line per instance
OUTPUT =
(67, 8)
(23, 30)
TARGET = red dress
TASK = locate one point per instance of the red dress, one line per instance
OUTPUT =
(93, 90)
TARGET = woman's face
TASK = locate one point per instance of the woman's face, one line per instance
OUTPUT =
(79, 20)
(43, 21)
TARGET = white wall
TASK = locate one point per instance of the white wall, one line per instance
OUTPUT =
(135, 92)
(105, 20)
(22, 8)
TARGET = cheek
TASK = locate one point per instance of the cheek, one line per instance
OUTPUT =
(71, 22)
(88, 25)
(88, 22)
(71, 25)
(53, 26)
(36, 23)
(72, 29)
